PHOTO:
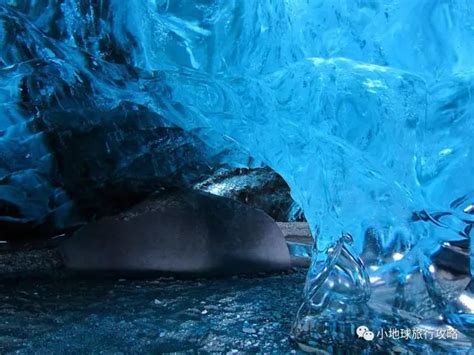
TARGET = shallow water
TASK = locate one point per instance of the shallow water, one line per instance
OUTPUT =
(60, 313)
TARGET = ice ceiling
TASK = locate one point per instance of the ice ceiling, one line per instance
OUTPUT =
(364, 107)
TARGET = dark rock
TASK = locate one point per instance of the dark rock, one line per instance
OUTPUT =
(185, 232)
(259, 187)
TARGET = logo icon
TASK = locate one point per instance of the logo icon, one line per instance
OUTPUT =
(364, 332)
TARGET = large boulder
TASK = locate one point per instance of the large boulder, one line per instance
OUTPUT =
(180, 232)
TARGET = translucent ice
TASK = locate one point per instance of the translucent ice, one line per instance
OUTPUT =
(365, 108)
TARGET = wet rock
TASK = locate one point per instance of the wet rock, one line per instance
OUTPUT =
(259, 187)
(180, 232)
(249, 330)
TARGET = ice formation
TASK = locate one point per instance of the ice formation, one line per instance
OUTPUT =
(365, 108)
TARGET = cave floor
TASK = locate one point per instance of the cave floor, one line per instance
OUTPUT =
(57, 313)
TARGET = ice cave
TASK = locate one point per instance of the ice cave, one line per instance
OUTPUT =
(236, 176)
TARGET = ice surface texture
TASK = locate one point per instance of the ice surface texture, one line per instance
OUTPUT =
(365, 108)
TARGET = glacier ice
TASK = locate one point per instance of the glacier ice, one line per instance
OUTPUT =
(364, 108)
(51, 180)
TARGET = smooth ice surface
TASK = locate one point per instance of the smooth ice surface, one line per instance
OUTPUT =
(364, 108)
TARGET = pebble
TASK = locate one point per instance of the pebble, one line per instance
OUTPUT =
(249, 330)
(248, 325)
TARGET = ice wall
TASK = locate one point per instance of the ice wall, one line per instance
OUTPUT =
(365, 109)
